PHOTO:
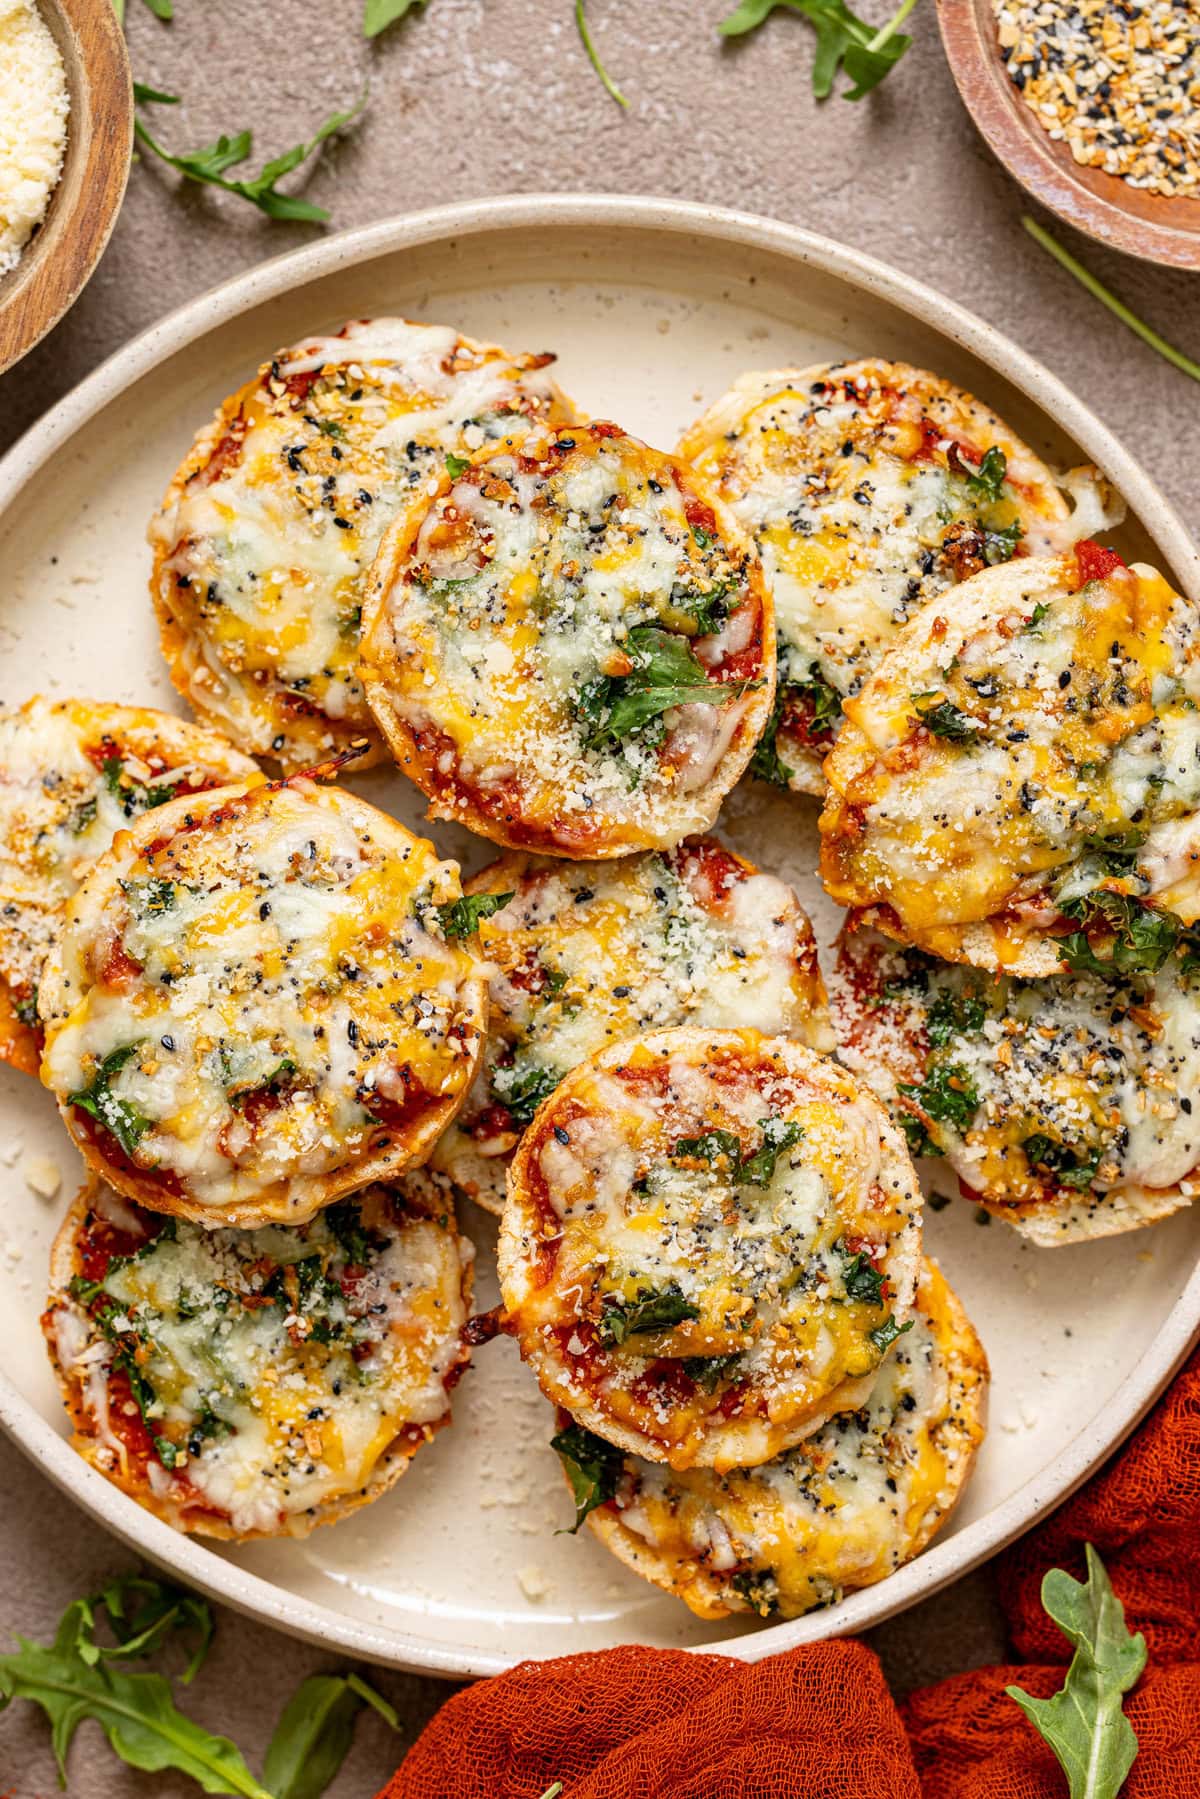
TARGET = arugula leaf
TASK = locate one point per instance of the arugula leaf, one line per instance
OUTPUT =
(766, 761)
(315, 1732)
(665, 674)
(135, 1711)
(135, 796)
(748, 1171)
(26, 1008)
(209, 166)
(592, 1466)
(1083, 1722)
(379, 14)
(593, 56)
(953, 1014)
(1139, 939)
(460, 917)
(777, 1135)
(650, 1311)
(942, 718)
(157, 1611)
(522, 1085)
(119, 1117)
(947, 1094)
(76, 1679)
(456, 465)
(861, 1279)
(710, 1146)
(1000, 542)
(708, 1371)
(152, 96)
(986, 480)
(844, 41)
(885, 1334)
(1070, 1167)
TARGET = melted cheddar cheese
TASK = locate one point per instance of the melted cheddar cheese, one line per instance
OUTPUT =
(841, 1510)
(253, 1007)
(586, 953)
(267, 531)
(866, 489)
(566, 647)
(709, 1242)
(1026, 761)
(1065, 1103)
(255, 1383)
(72, 774)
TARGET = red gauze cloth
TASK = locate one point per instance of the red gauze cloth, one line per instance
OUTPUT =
(819, 1723)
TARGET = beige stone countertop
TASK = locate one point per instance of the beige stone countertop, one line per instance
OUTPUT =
(476, 97)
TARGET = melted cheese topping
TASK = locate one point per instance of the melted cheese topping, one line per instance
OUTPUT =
(1068, 713)
(841, 1510)
(568, 649)
(264, 538)
(587, 953)
(72, 774)
(704, 1291)
(274, 1370)
(1035, 1091)
(856, 484)
(253, 997)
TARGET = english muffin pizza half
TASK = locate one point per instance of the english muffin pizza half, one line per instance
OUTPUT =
(869, 487)
(267, 530)
(257, 1004)
(586, 953)
(72, 774)
(711, 1240)
(570, 647)
(1017, 784)
(258, 1383)
(1064, 1106)
(841, 1510)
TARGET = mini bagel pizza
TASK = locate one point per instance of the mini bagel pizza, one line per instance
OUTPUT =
(258, 1383)
(73, 773)
(869, 487)
(1062, 1105)
(570, 647)
(1017, 783)
(257, 1004)
(841, 1510)
(586, 953)
(711, 1239)
(268, 527)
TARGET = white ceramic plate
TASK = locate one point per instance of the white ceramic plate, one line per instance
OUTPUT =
(653, 308)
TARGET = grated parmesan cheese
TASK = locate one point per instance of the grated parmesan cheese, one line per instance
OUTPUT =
(34, 104)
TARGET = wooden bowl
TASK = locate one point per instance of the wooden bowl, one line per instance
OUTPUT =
(1152, 226)
(66, 247)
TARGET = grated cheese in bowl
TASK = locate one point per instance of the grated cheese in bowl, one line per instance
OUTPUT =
(34, 104)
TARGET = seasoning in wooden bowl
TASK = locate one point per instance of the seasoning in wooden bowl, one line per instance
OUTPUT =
(34, 104)
(1118, 83)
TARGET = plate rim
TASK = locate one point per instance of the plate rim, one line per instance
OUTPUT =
(949, 1558)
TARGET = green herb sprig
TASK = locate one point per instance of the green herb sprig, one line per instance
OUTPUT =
(844, 41)
(210, 167)
(82, 1676)
(1084, 1722)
